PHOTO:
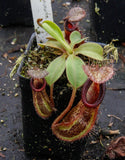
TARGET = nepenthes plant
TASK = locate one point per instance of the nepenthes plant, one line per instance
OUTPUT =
(87, 65)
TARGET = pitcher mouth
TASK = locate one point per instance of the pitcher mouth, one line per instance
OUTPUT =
(70, 26)
(40, 87)
(102, 89)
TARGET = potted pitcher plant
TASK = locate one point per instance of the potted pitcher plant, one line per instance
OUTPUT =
(63, 83)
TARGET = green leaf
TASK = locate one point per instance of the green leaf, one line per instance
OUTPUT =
(75, 38)
(55, 69)
(56, 33)
(90, 49)
(74, 71)
(15, 68)
(53, 44)
(53, 29)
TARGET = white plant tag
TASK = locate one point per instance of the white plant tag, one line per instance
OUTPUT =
(41, 9)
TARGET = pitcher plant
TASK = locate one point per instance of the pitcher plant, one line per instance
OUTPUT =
(88, 65)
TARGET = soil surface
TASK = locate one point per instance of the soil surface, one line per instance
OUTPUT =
(112, 109)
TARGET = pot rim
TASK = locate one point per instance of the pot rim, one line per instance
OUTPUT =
(32, 38)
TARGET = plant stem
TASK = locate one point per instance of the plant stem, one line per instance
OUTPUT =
(59, 118)
(51, 95)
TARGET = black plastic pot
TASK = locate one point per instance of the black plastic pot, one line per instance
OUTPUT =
(109, 21)
(15, 12)
(38, 138)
